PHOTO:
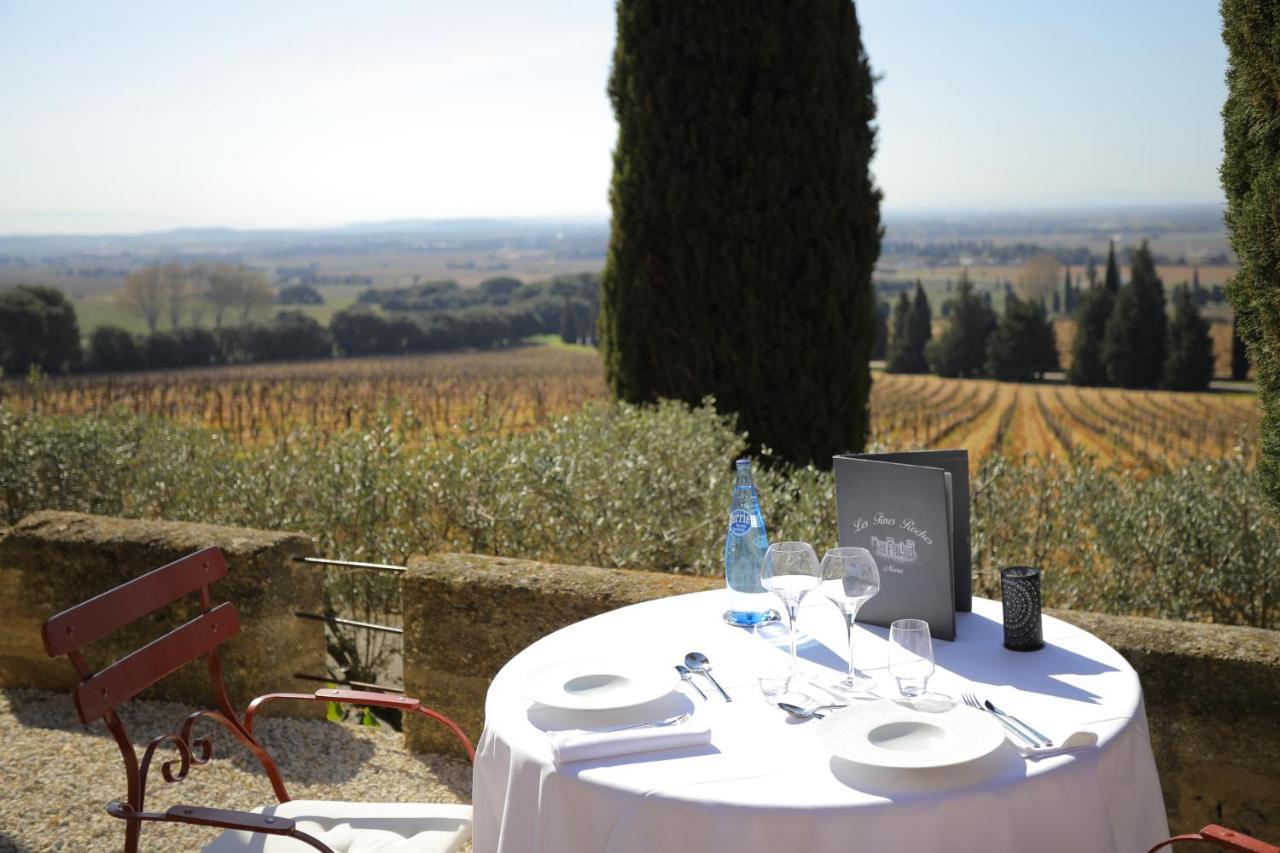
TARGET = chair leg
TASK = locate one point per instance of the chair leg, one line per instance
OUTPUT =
(132, 830)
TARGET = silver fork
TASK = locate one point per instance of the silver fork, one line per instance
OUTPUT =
(654, 724)
(972, 701)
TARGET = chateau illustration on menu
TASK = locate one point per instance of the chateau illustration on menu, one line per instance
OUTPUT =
(903, 515)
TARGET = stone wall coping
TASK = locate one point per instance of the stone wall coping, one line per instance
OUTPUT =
(611, 587)
(75, 527)
(1202, 640)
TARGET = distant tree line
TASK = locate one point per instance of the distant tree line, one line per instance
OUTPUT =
(443, 315)
(1016, 347)
(38, 327)
(1125, 338)
(949, 253)
(1124, 335)
(290, 336)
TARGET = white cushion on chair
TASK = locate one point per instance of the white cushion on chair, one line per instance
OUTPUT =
(358, 828)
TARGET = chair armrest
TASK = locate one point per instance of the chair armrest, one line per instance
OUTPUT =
(222, 818)
(230, 819)
(369, 697)
(1220, 836)
(406, 704)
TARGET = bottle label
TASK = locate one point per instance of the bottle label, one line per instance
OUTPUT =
(739, 522)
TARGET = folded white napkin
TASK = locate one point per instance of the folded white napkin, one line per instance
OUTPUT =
(1083, 739)
(569, 746)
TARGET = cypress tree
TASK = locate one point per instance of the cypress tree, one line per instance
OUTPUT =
(1189, 363)
(920, 331)
(1133, 346)
(1239, 356)
(745, 222)
(1087, 367)
(1043, 352)
(1198, 294)
(1112, 281)
(1091, 272)
(962, 348)
(898, 352)
(1022, 346)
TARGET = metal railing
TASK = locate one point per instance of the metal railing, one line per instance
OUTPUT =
(330, 619)
(351, 564)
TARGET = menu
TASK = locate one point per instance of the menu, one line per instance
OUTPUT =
(956, 463)
(902, 514)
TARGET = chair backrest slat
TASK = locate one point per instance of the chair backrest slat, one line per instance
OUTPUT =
(102, 614)
(129, 676)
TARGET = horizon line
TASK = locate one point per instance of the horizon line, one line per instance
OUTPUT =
(887, 212)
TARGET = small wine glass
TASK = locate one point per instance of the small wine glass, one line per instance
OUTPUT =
(790, 570)
(850, 579)
(910, 656)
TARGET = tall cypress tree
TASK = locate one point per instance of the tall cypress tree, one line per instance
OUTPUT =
(1189, 363)
(1133, 346)
(1251, 181)
(745, 222)
(921, 330)
(898, 352)
(1087, 367)
(1112, 280)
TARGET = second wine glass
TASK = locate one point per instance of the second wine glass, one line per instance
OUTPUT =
(911, 656)
(850, 579)
(790, 570)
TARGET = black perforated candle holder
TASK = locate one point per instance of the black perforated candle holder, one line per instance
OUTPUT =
(1020, 591)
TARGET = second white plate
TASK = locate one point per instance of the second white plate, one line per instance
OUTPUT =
(599, 684)
(889, 734)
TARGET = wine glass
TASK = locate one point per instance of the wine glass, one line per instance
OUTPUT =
(790, 570)
(910, 656)
(850, 579)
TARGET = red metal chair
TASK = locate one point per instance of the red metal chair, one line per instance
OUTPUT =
(1220, 836)
(294, 825)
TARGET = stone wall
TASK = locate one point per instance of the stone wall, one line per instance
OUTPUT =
(1212, 691)
(52, 560)
(1213, 702)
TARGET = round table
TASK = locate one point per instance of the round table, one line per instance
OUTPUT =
(765, 784)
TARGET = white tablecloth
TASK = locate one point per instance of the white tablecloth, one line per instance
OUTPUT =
(764, 784)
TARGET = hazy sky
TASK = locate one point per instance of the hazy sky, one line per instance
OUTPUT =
(126, 116)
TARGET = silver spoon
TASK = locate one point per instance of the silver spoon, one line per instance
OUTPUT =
(806, 713)
(698, 662)
(687, 677)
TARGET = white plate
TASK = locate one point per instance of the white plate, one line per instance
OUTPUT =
(599, 684)
(889, 734)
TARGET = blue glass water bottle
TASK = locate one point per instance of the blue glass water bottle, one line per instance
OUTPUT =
(744, 548)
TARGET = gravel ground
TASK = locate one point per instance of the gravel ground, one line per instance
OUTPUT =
(58, 774)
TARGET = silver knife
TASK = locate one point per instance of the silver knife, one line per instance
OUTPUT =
(1015, 721)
